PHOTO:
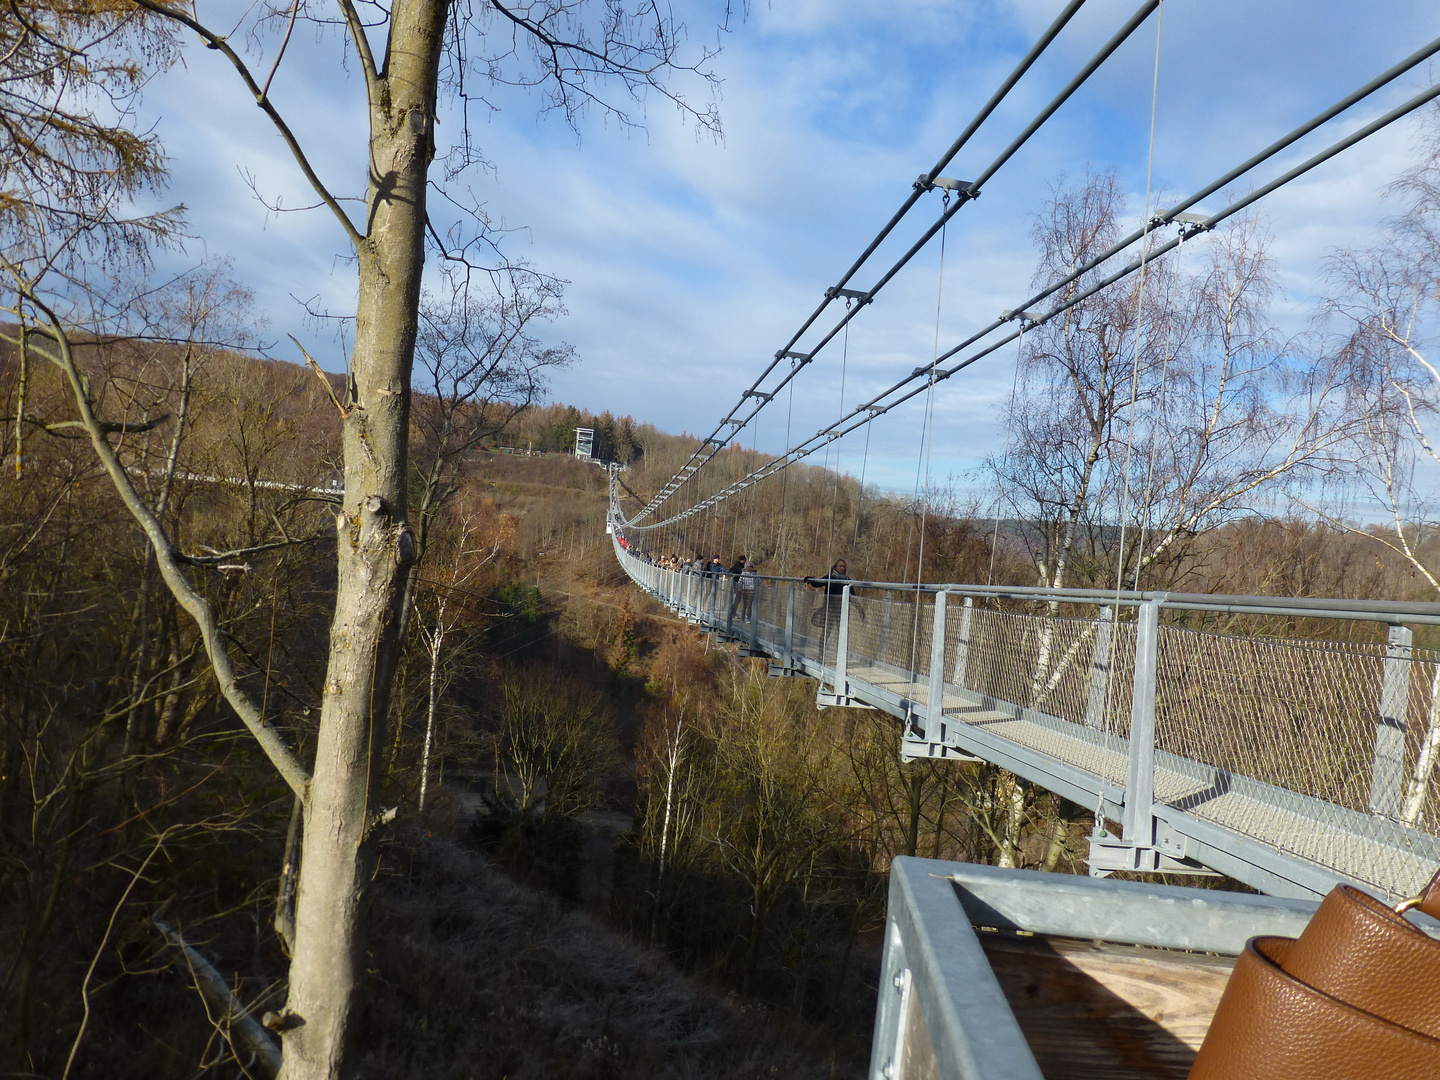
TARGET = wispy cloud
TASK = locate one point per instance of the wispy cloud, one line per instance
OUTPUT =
(691, 261)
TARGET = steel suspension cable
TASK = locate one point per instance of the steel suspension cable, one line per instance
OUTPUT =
(1005, 456)
(1139, 328)
(1190, 229)
(1154, 447)
(785, 484)
(706, 451)
(835, 485)
(860, 502)
(927, 446)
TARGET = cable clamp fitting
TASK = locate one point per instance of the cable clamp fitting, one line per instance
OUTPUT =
(1025, 318)
(945, 183)
(849, 294)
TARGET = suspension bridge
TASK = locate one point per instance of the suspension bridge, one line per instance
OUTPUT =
(1286, 764)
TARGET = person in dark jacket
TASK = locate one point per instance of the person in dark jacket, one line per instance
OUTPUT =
(736, 569)
(827, 614)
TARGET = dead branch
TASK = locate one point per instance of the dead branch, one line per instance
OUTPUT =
(344, 412)
(235, 1018)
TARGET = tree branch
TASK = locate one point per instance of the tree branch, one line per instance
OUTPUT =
(218, 43)
(218, 557)
(61, 428)
(217, 994)
(196, 606)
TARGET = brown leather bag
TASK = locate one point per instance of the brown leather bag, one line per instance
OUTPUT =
(1355, 997)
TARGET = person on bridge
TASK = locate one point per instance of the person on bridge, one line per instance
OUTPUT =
(715, 570)
(827, 615)
(749, 579)
(736, 569)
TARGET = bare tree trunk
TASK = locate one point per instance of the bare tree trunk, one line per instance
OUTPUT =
(1425, 764)
(375, 548)
(1014, 822)
(289, 870)
(1057, 841)
(672, 765)
(437, 639)
(915, 789)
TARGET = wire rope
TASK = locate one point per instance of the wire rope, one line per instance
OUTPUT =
(708, 448)
(1139, 329)
(1160, 408)
(835, 484)
(873, 409)
(1135, 369)
(750, 515)
(1005, 455)
(927, 446)
(785, 484)
(864, 463)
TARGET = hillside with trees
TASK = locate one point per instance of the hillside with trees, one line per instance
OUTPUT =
(642, 788)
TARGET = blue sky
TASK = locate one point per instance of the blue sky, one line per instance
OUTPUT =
(691, 261)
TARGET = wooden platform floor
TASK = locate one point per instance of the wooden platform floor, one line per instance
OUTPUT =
(1101, 1011)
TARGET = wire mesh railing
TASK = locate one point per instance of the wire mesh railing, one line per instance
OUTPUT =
(1324, 751)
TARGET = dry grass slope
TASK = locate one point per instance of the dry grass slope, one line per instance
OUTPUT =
(478, 978)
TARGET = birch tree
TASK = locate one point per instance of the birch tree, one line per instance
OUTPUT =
(1387, 304)
(1158, 409)
(478, 539)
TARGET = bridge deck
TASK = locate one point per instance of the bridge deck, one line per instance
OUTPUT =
(1396, 870)
(1288, 817)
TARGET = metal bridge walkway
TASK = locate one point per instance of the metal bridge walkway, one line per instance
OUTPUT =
(1288, 765)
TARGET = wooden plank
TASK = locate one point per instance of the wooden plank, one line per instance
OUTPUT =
(1100, 1011)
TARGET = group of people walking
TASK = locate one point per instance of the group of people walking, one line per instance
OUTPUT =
(743, 580)
(742, 575)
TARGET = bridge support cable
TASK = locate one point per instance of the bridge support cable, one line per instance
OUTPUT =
(1190, 225)
(867, 412)
(1250, 755)
(967, 192)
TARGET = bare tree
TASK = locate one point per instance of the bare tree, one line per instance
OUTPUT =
(1388, 298)
(481, 366)
(1159, 409)
(478, 539)
(1083, 379)
(1388, 302)
(1240, 411)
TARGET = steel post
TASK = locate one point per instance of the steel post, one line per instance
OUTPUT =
(1100, 669)
(1387, 778)
(842, 645)
(935, 706)
(1139, 819)
(789, 653)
